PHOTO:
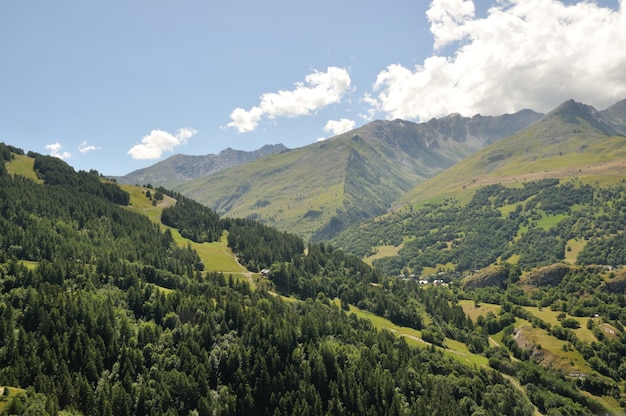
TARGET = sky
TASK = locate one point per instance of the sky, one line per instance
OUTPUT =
(120, 85)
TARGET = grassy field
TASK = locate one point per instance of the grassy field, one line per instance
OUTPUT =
(514, 259)
(429, 271)
(550, 316)
(549, 221)
(383, 251)
(412, 336)
(143, 205)
(558, 354)
(23, 165)
(573, 248)
(216, 256)
(459, 351)
(507, 209)
(473, 311)
(554, 352)
(454, 349)
(31, 265)
(4, 400)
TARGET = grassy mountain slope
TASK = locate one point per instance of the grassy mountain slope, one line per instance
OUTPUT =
(318, 190)
(574, 140)
(216, 256)
(23, 165)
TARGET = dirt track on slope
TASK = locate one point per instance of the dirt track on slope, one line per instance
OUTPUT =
(612, 168)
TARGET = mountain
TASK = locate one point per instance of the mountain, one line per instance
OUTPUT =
(572, 140)
(320, 189)
(483, 209)
(180, 168)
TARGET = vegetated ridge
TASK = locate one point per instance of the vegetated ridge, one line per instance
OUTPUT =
(318, 190)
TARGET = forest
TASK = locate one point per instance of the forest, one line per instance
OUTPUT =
(103, 313)
(535, 222)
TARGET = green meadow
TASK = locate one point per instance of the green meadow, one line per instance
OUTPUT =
(23, 165)
(216, 256)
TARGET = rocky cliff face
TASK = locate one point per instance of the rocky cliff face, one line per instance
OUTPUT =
(426, 148)
(549, 275)
(490, 276)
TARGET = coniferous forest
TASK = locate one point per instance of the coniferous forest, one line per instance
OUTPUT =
(104, 313)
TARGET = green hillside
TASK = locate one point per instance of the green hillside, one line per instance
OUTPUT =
(257, 189)
(534, 226)
(532, 190)
(22, 165)
(313, 190)
(216, 256)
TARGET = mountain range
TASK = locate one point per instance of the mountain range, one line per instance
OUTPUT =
(321, 189)
(574, 139)
(181, 168)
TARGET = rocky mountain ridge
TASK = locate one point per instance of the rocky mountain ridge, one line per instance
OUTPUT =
(181, 168)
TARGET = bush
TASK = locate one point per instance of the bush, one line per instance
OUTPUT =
(570, 323)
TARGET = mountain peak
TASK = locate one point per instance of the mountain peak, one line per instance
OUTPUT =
(573, 112)
(574, 106)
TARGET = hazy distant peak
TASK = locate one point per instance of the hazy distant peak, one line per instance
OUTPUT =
(181, 168)
(618, 106)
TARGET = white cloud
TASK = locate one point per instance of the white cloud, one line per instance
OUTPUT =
(154, 144)
(55, 150)
(447, 18)
(86, 148)
(245, 121)
(339, 126)
(318, 90)
(185, 133)
(523, 54)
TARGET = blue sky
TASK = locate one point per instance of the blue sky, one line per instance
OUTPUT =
(119, 85)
